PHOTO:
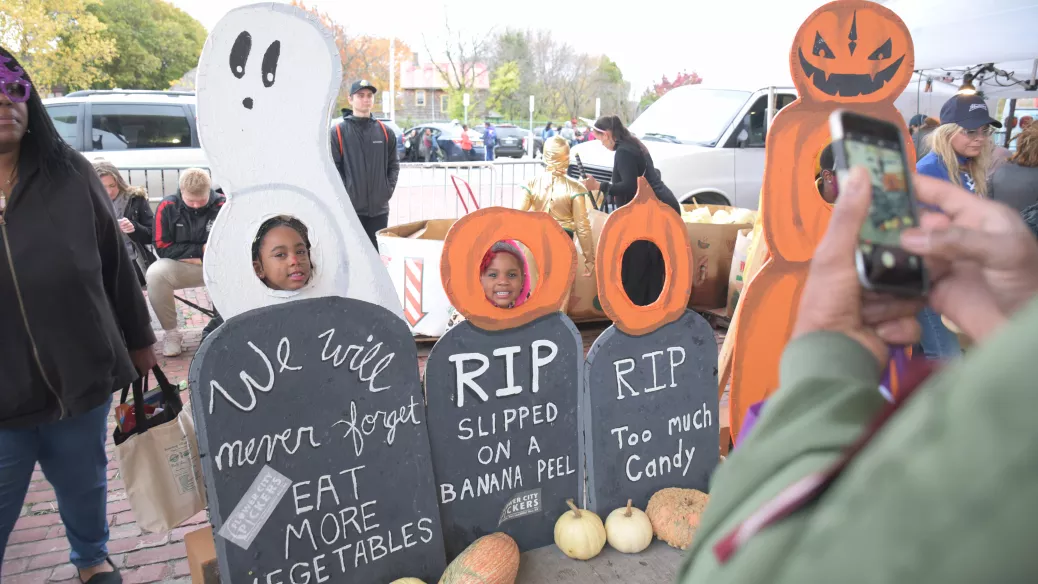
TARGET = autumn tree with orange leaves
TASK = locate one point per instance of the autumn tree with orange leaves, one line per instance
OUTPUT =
(362, 56)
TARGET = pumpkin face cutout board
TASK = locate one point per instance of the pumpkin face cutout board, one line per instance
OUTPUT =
(849, 54)
(309, 410)
(502, 389)
(650, 380)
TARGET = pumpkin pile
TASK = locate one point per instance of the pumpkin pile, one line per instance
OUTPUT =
(674, 514)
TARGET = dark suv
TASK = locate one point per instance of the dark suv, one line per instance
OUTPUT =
(509, 141)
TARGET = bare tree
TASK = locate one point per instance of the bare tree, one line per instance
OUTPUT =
(465, 55)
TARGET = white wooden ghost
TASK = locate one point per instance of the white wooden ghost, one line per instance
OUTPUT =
(267, 80)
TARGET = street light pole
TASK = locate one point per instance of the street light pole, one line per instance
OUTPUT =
(392, 79)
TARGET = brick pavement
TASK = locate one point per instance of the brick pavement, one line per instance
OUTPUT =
(37, 551)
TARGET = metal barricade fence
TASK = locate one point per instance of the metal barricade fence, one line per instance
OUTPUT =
(423, 191)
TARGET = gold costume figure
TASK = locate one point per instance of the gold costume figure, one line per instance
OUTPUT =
(562, 197)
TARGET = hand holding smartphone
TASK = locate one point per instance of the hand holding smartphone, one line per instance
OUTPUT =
(878, 146)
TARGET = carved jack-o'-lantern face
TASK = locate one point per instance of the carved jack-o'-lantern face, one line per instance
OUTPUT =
(852, 51)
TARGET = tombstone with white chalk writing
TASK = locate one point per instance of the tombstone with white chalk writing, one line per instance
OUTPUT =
(314, 446)
(502, 387)
(650, 380)
(307, 401)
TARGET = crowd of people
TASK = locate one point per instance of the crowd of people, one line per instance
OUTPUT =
(81, 246)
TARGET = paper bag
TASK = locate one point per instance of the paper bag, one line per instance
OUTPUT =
(159, 461)
(735, 275)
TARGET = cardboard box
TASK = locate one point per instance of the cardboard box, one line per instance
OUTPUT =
(201, 556)
(712, 247)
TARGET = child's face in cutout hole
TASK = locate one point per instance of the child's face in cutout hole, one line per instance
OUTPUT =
(284, 261)
(503, 280)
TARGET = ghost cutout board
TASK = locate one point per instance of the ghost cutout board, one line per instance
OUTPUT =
(502, 389)
(650, 379)
(308, 405)
(850, 54)
(314, 448)
(268, 78)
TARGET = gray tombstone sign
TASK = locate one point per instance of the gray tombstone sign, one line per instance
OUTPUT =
(503, 425)
(652, 412)
(314, 446)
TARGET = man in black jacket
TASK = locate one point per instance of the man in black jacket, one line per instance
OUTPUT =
(364, 150)
(182, 225)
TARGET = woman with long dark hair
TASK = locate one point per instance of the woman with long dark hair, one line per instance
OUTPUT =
(643, 270)
(74, 324)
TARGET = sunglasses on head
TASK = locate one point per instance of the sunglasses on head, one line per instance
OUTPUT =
(13, 83)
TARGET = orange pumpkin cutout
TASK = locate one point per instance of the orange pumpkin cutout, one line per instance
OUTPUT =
(793, 216)
(851, 52)
(644, 218)
(551, 247)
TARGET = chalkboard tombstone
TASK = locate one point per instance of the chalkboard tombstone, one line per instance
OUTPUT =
(650, 380)
(307, 405)
(314, 446)
(502, 389)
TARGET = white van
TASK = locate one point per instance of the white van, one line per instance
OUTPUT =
(149, 135)
(706, 141)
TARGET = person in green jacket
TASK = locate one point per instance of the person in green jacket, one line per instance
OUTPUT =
(945, 490)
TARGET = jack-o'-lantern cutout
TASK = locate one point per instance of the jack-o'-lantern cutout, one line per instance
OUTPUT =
(644, 218)
(838, 43)
(852, 52)
(555, 265)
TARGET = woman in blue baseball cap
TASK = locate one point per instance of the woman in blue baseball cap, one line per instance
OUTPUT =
(960, 153)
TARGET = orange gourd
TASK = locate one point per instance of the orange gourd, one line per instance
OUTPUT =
(468, 239)
(491, 559)
(644, 218)
(674, 514)
(851, 54)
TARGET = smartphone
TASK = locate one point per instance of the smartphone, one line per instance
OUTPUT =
(879, 146)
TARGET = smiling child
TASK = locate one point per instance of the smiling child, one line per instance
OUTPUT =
(281, 254)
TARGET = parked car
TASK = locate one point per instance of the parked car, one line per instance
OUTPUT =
(509, 141)
(448, 136)
(149, 134)
(538, 142)
(390, 125)
(707, 142)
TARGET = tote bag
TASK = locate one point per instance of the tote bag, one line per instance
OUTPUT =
(158, 459)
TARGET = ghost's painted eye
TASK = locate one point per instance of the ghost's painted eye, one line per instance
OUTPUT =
(270, 63)
(883, 52)
(240, 54)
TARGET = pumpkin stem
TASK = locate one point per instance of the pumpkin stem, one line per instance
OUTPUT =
(576, 510)
(628, 513)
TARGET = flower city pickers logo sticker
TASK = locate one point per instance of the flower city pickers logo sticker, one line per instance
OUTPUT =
(521, 505)
(245, 522)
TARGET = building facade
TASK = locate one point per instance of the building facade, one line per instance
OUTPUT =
(423, 91)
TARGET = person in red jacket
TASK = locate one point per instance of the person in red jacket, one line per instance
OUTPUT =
(182, 224)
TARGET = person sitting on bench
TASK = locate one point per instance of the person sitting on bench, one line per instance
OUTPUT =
(182, 224)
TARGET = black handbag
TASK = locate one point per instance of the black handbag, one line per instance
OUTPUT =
(164, 396)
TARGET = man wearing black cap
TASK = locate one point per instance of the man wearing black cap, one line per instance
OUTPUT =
(364, 150)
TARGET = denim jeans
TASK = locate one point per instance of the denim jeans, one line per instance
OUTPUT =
(938, 342)
(72, 455)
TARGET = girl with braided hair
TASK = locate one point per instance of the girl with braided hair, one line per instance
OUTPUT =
(281, 254)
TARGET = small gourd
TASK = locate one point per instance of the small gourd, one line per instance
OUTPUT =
(628, 529)
(407, 581)
(491, 559)
(579, 533)
(674, 514)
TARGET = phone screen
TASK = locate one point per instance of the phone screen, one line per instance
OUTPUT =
(882, 263)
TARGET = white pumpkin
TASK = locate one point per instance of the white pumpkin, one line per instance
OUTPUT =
(579, 533)
(628, 529)
(407, 581)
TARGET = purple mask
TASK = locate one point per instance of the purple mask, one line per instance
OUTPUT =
(13, 84)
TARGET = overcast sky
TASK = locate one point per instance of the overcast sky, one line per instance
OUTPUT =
(647, 39)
